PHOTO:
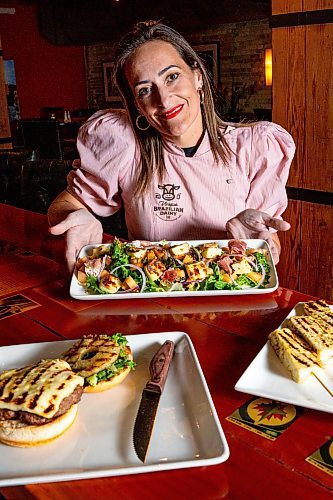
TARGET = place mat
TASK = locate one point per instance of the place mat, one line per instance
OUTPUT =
(16, 304)
(323, 457)
(265, 417)
(25, 272)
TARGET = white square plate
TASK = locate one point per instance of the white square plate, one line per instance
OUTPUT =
(77, 291)
(268, 378)
(187, 431)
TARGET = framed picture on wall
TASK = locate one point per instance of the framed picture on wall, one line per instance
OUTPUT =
(210, 54)
(110, 91)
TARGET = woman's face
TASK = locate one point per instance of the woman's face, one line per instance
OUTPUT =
(166, 92)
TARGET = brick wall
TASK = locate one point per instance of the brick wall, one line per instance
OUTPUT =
(241, 66)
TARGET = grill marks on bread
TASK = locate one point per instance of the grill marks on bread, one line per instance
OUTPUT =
(294, 353)
(325, 321)
(308, 342)
(38, 389)
(314, 335)
(316, 306)
(92, 354)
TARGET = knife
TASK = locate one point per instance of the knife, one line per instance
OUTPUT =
(145, 418)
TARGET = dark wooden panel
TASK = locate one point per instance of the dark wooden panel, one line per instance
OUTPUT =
(317, 4)
(286, 6)
(318, 166)
(316, 255)
(288, 268)
(306, 256)
(288, 91)
(5, 132)
(302, 103)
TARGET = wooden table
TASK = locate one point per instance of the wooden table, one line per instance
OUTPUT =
(227, 333)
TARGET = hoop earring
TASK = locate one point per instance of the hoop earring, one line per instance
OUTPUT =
(138, 124)
(202, 95)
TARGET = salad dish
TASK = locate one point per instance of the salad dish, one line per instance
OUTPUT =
(130, 269)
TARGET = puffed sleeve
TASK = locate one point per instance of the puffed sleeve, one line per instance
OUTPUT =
(272, 151)
(106, 146)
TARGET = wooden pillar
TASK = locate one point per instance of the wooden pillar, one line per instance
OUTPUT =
(302, 42)
(5, 133)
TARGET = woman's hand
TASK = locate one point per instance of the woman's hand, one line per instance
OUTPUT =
(255, 224)
(81, 228)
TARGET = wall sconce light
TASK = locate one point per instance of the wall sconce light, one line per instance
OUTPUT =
(268, 67)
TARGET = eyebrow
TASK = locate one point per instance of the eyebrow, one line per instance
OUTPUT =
(160, 73)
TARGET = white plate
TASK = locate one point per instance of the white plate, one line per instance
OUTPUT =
(77, 291)
(268, 378)
(187, 431)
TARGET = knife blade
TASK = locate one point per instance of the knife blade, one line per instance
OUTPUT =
(150, 398)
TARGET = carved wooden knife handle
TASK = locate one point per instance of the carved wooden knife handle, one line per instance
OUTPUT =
(159, 366)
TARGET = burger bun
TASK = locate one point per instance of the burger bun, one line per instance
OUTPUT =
(16, 433)
(105, 385)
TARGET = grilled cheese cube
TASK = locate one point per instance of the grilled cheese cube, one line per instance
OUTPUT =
(294, 353)
(242, 267)
(196, 271)
(137, 253)
(179, 250)
(211, 250)
(110, 284)
(310, 331)
(129, 283)
(316, 306)
(154, 269)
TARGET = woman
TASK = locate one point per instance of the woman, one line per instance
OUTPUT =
(180, 171)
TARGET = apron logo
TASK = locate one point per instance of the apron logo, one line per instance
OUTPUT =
(168, 192)
(167, 208)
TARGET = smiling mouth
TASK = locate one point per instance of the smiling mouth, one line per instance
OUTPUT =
(172, 112)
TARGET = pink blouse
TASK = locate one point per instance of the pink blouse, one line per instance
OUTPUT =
(197, 196)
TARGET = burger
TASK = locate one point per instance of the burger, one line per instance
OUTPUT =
(38, 403)
(103, 360)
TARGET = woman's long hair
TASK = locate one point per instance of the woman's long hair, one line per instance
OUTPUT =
(150, 141)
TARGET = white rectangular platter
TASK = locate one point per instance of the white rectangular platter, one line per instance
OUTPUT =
(187, 431)
(77, 291)
(268, 378)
